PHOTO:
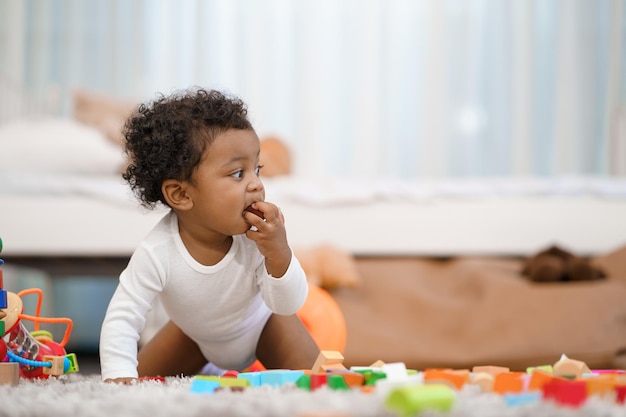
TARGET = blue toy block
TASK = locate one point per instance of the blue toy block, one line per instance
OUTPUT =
(203, 386)
(4, 303)
(523, 398)
(278, 378)
(254, 378)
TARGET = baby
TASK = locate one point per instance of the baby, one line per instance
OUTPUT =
(219, 260)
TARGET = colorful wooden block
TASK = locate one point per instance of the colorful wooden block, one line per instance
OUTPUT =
(9, 373)
(336, 382)
(484, 380)
(394, 371)
(516, 399)
(455, 378)
(304, 382)
(571, 368)
(279, 378)
(566, 392)
(352, 379)
(415, 399)
(545, 368)
(620, 393)
(600, 385)
(203, 386)
(371, 376)
(327, 360)
(539, 378)
(224, 382)
(509, 382)
(377, 364)
(57, 365)
(253, 378)
(318, 380)
(490, 369)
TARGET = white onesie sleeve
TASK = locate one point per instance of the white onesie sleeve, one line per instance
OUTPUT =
(126, 316)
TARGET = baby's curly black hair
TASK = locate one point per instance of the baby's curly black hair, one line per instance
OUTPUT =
(165, 139)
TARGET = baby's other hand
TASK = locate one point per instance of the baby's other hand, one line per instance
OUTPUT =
(124, 380)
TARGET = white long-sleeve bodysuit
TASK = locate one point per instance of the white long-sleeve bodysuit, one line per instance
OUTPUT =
(222, 307)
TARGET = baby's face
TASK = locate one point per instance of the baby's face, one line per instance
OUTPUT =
(226, 182)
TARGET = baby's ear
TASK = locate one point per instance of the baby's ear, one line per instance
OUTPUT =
(175, 193)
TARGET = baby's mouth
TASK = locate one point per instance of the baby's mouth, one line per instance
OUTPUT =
(255, 211)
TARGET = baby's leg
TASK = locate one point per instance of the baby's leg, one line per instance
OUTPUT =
(286, 344)
(170, 353)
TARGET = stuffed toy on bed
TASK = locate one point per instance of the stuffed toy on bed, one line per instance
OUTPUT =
(556, 264)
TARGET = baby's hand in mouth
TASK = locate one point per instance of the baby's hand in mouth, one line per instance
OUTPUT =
(255, 211)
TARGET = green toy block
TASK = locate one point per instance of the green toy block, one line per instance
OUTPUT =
(414, 399)
(71, 363)
(304, 382)
(337, 382)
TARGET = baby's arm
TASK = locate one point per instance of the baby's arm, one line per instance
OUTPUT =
(287, 294)
(270, 237)
(119, 336)
(124, 320)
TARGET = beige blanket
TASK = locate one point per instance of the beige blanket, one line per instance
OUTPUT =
(463, 312)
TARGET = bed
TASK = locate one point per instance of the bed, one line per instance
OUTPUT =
(439, 260)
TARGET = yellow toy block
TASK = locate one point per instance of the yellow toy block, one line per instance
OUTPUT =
(224, 381)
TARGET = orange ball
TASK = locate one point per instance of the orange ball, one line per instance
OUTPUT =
(324, 320)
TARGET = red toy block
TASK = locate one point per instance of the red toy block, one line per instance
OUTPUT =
(318, 380)
(565, 392)
(620, 393)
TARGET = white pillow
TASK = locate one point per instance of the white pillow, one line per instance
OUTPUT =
(57, 145)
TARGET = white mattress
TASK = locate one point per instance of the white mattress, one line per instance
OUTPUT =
(66, 215)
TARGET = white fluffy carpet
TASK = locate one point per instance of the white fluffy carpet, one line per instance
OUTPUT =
(84, 396)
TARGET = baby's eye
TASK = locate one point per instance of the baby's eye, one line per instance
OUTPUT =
(237, 174)
(257, 171)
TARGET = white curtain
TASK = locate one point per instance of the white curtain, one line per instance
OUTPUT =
(404, 89)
